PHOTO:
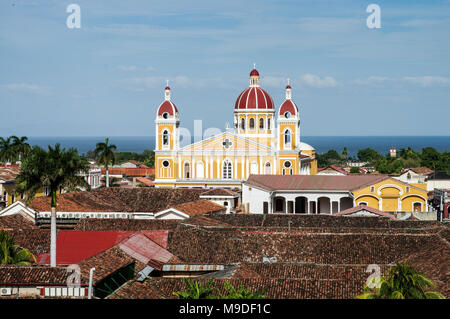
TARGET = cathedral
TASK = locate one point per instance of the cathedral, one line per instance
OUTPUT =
(262, 141)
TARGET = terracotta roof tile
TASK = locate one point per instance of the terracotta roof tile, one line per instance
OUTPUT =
(115, 199)
(313, 182)
(199, 207)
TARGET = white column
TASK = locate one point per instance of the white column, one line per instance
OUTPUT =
(247, 167)
(243, 167)
(261, 171)
(275, 165)
(218, 167)
(211, 169)
(179, 167)
(380, 204)
(235, 168)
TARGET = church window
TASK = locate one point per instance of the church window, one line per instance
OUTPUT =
(243, 123)
(227, 170)
(287, 170)
(287, 115)
(165, 137)
(187, 170)
(165, 163)
(268, 169)
(252, 123)
(200, 170)
(165, 115)
(287, 139)
(417, 207)
(268, 123)
(261, 123)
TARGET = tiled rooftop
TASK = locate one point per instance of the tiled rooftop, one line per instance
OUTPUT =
(313, 182)
(199, 207)
(114, 199)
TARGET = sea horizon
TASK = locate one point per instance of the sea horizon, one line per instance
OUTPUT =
(322, 143)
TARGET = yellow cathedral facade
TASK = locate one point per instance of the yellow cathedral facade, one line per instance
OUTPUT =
(263, 140)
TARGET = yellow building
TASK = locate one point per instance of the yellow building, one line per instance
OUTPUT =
(8, 195)
(262, 141)
(392, 195)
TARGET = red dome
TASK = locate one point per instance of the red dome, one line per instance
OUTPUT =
(167, 88)
(288, 87)
(254, 73)
(288, 106)
(167, 107)
(254, 98)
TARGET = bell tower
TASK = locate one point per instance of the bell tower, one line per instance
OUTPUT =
(288, 123)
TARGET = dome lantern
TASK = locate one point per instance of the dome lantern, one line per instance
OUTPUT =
(254, 77)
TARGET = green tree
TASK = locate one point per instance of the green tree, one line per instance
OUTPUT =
(54, 169)
(240, 293)
(104, 155)
(11, 253)
(344, 153)
(368, 155)
(354, 170)
(20, 146)
(7, 149)
(328, 158)
(196, 290)
(430, 157)
(403, 282)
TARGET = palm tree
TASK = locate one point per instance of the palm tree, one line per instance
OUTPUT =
(10, 253)
(6, 149)
(54, 169)
(104, 155)
(403, 282)
(20, 147)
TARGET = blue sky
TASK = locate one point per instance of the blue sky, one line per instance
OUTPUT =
(107, 78)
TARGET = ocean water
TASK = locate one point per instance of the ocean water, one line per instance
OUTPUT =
(322, 144)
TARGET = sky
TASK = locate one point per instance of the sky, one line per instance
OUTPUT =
(107, 77)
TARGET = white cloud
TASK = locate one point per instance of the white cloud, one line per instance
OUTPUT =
(26, 87)
(129, 68)
(373, 80)
(317, 82)
(273, 81)
(427, 80)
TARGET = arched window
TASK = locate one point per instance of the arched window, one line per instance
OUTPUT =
(287, 170)
(268, 123)
(187, 170)
(261, 123)
(243, 123)
(227, 170)
(254, 168)
(417, 207)
(287, 139)
(251, 123)
(267, 168)
(199, 172)
(165, 137)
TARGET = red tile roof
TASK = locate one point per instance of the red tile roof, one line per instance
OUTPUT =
(360, 208)
(114, 199)
(220, 192)
(34, 275)
(129, 172)
(9, 173)
(74, 246)
(199, 207)
(313, 182)
(145, 181)
(16, 221)
(420, 170)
